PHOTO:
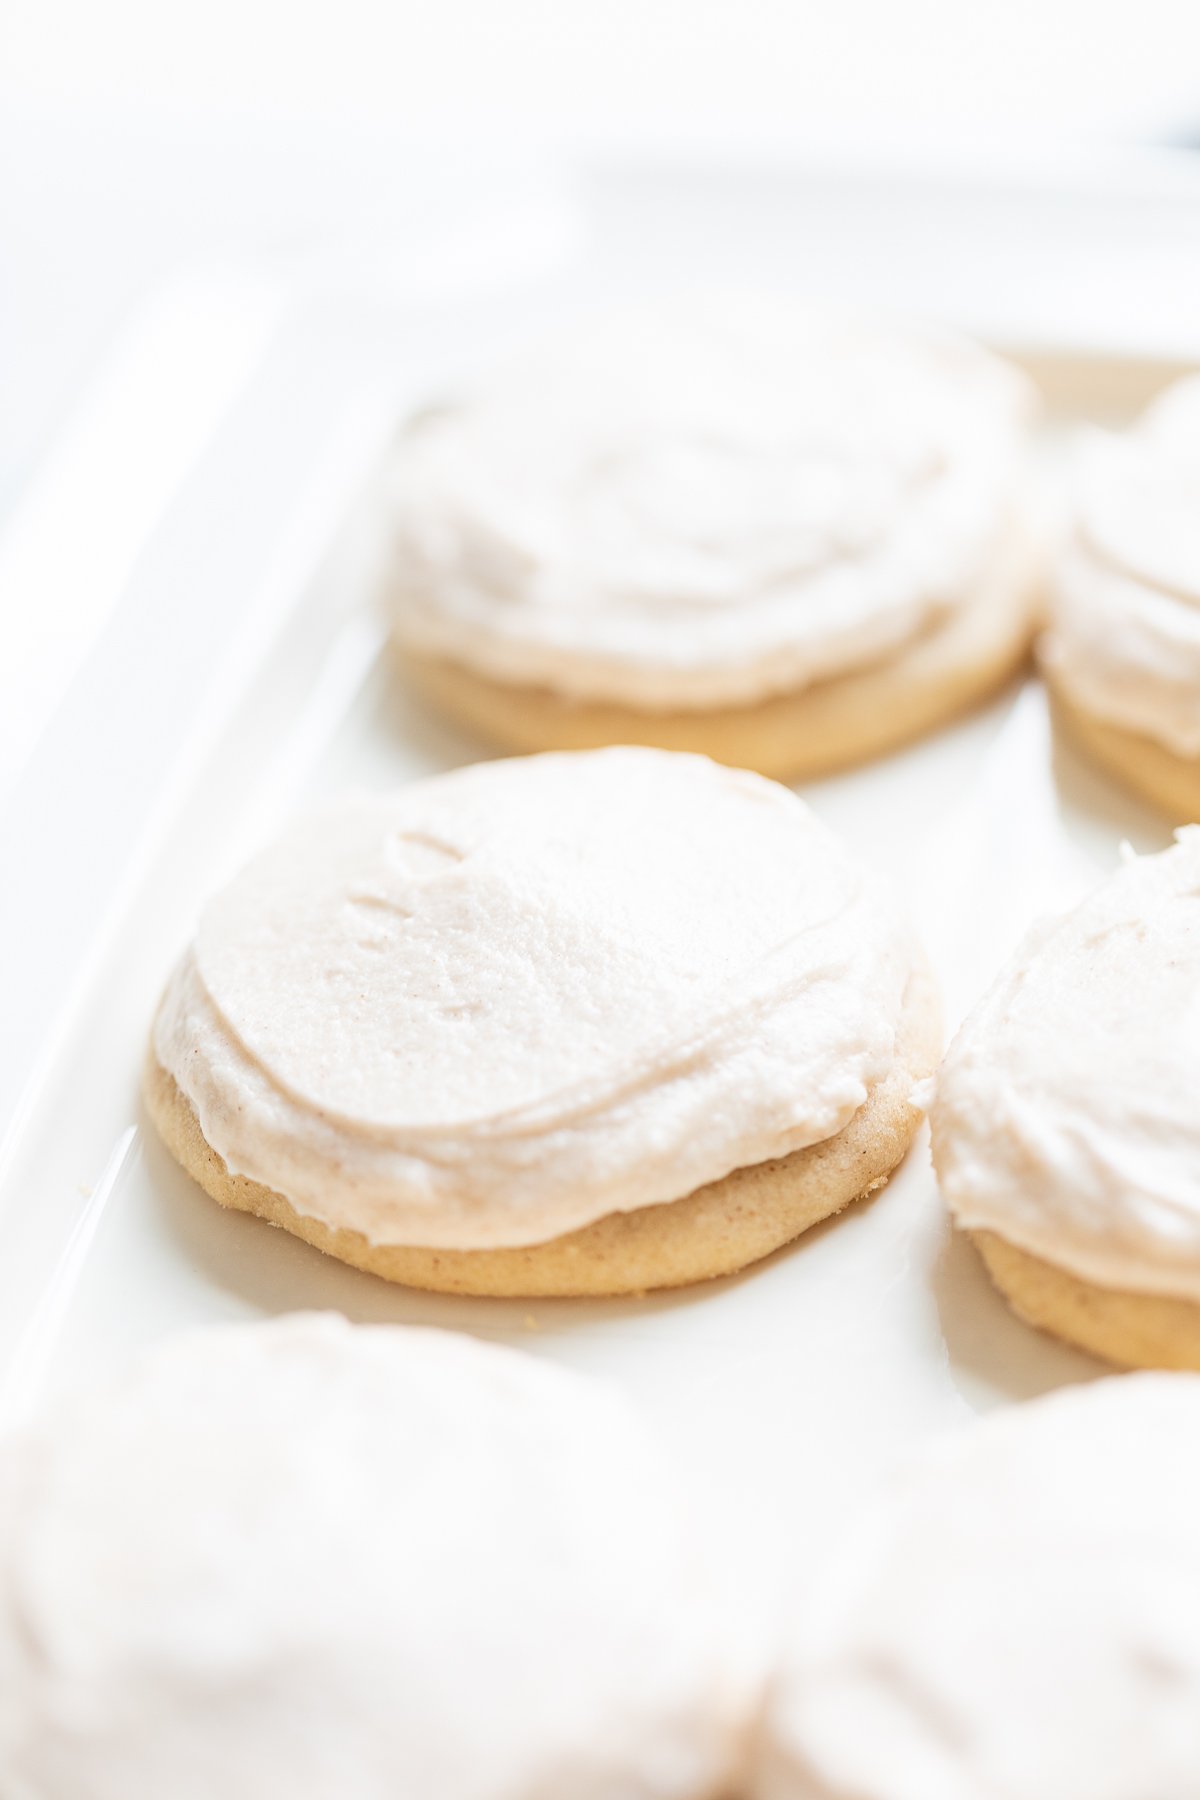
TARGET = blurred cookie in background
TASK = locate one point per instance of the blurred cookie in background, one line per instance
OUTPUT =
(1122, 651)
(788, 539)
(1016, 1616)
(329, 1561)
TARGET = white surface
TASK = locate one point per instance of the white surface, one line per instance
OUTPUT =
(719, 66)
(242, 674)
(151, 409)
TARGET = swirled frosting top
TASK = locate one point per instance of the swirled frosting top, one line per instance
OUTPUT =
(506, 1001)
(705, 504)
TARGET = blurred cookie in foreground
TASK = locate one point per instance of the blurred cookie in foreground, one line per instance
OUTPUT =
(1122, 652)
(1066, 1136)
(567, 1024)
(1016, 1617)
(321, 1561)
(787, 539)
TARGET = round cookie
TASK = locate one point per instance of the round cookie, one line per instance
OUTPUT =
(563, 1051)
(1014, 1617)
(1064, 1130)
(1121, 652)
(322, 1561)
(782, 540)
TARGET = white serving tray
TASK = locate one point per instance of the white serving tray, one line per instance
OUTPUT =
(244, 672)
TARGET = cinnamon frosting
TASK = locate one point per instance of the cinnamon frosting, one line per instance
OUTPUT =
(1124, 637)
(506, 1001)
(1065, 1116)
(703, 505)
(1015, 1620)
(339, 1563)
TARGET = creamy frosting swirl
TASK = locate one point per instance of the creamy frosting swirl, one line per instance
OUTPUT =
(509, 1000)
(1015, 1620)
(1124, 637)
(688, 507)
(1065, 1117)
(346, 1563)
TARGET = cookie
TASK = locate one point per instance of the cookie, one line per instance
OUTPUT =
(1064, 1128)
(1121, 652)
(1147, 1331)
(798, 736)
(1165, 780)
(1015, 1616)
(784, 540)
(320, 1560)
(570, 1024)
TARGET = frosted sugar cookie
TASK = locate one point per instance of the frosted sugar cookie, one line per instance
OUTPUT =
(1017, 1618)
(1065, 1130)
(786, 539)
(1122, 652)
(568, 1024)
(321, 1561)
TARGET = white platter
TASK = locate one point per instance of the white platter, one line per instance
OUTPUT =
(244, 671)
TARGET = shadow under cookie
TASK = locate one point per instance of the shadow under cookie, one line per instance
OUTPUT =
(714, 1231)
(1136, 1331)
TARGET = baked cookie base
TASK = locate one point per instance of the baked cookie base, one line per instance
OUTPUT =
(1169, 782)
(1136, 1331)
(715, 1231)
(793, 736)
